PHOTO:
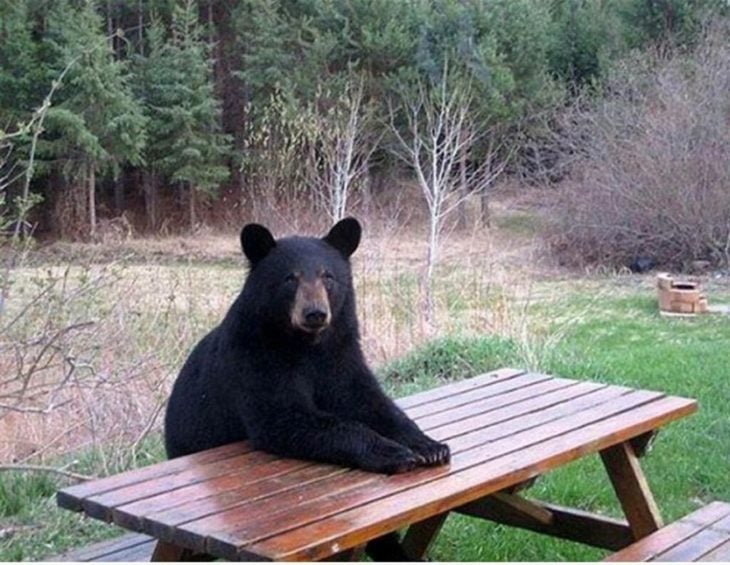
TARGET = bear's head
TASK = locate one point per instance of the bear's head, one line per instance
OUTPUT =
(301, 283)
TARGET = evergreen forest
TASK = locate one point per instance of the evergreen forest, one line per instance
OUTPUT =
(167, 115)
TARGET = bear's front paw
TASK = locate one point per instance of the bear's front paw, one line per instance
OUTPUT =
(433, 452)
(390, 457)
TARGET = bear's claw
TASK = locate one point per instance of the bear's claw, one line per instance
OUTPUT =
(432, 452)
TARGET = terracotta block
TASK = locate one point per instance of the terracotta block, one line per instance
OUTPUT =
(664, 281)
(681, 297)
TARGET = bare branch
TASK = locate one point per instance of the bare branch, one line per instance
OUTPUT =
(441, 129)
(45, 469)
(340, 146)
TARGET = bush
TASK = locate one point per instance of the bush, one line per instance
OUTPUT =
(451, 359)
(651, 171)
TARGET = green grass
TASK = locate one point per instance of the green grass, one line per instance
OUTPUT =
(519, 223)
(36, 527)
(614, 337)
(624, 341)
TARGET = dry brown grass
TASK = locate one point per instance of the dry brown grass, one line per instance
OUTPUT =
(89, 348)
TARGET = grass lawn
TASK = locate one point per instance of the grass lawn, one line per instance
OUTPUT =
(585, 329)
(627, 342)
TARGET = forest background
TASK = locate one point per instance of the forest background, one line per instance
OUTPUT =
(163, 116)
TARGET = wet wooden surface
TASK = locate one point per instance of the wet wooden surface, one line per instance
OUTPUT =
(703, 535)
(503, 428)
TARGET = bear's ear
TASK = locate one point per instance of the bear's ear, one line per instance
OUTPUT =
(345, 236)
(256, 242)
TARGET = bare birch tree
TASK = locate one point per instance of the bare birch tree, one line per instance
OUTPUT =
(440, 130)
(341, 144)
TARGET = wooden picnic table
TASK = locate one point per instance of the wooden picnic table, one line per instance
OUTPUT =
(504, 429)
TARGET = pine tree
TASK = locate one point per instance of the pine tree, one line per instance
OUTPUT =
(264, 37)
(581, 34)
(95, 125)
(21, 79)
(20, 69)
(186, 145)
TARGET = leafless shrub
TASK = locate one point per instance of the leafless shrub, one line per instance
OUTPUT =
(86, 363)
(340, 141)
(652, 163)
(440, 133)
(271, 168)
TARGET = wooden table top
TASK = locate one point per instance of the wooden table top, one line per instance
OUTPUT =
(503, 428)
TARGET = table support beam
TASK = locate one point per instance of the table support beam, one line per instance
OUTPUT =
(632, 489)
(566, 523)
(420, 535)
(165, 551)
(643, 443)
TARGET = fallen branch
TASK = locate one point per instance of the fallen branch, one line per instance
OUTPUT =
(45, 469)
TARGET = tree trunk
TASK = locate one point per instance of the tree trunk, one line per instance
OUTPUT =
(110, 26)
(230, 88)
(149, 184)
(140, 27)
(211, 29)
(71, 204)
(91, 188)
(119, 195)
(463, 190)
(429, 302)
(486, 216)
(193, 214)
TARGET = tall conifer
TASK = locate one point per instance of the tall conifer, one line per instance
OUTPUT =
(186, 144)
(95, 125)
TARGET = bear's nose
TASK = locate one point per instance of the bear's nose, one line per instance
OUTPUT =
(315, 316)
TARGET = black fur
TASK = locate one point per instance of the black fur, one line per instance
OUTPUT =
(292, 392)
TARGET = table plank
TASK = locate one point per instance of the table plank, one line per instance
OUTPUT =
(392, 512)
(116, 549)
(223, 500)
(259, 463)
(199, 499)
(504, 427)
(490, 427)
(531, 413)
(694, 547)
(451, 389)
(720, 554)
(508, 398)
(722, 525)
(72, 496)
(672, 534)
(490, 441)
(515, 383)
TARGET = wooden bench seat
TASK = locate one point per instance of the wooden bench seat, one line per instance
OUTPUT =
(130, 547)
(703, 535)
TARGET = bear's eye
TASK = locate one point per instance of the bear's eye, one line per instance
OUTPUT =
(291, 278)
(328, 278)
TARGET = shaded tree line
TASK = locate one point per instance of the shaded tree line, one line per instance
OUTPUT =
(177, 112)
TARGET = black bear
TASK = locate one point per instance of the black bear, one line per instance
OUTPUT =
(285, 370)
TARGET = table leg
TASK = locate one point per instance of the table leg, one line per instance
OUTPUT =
(632, 489)
(420, 535)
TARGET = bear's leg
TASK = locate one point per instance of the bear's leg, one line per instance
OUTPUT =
(368, 404)
(297, 431)
(386, 548)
